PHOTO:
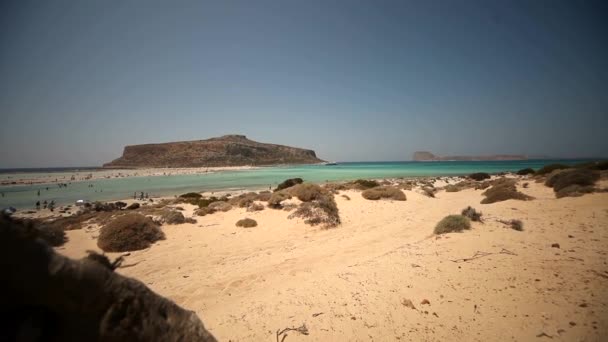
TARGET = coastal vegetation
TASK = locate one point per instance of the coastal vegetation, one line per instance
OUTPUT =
(384, 192)
(129, 232)
(503, 189)
(452, 223)
(289, 183)
(246, 223)
(479, 176)
(472, 214)
(526, 171)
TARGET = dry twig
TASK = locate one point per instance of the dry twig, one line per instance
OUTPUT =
(302, 330)
(480, 254)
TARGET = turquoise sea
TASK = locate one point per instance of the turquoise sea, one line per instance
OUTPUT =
(25, 196)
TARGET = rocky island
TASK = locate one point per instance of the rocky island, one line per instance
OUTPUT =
(228, 150)
(428, 156)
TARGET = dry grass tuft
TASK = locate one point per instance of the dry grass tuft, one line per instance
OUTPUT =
(472, 214)
(502, 190)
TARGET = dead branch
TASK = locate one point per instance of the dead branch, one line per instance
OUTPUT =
(301, 329)
(481, 254)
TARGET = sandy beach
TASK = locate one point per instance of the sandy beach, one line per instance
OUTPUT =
(89, 175)
(382, 275)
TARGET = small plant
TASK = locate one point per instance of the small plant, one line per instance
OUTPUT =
(429, 191)
(220, 206)
(346, 197)
(307, 192)
(452, 223)
(289, 183)
(479, 176)
(319, 211)
(264, 196)
(574, 190)
(129, 232)
(472, 214)
(384, 192)
(527, 171)
(246, 223)
(517, 225)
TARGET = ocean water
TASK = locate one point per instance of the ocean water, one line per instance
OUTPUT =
(25, 196)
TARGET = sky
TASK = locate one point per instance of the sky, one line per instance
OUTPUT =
(353, 80)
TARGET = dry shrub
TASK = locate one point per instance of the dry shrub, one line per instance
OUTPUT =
(289, 206)
(264, 196)
(275, 200)
(255, 207)
(550, 168)
(479, 176)
(527, 171)
(322, 210)
(172, 217)
(288, 183)
(472, 214)
(574, 190)
(452, 223)
(133, 206)
(346, 197)
(220, 206)
(307, 192)
(366, 184)
(129, 232)
(384, 192)
(502, 190)
(204, 211)
(566, 178)
(194, 195)
(429, 191)
(246, 223)
(191, 220)
(516, 225)
(243, 200)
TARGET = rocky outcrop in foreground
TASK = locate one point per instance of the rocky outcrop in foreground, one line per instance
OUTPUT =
(48, 297)
(428, 156)
(228, 150)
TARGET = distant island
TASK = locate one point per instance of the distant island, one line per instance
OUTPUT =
(228, 150)
(428, 156)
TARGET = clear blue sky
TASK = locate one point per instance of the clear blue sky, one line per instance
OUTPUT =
(353, 80)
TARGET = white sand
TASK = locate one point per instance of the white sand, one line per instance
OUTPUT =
(246, 283)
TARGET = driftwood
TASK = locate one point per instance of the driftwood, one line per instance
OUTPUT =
(480, 254)
(301, 329)
(48, 297)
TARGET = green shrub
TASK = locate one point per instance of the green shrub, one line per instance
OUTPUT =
(452, 223)
(246, 223)
(129, 232)
(479, 176)
(527, 171)
(243, 200)
(289, 183)
(472, 214)
(384, 192)
(366, 184)
(550, 168)
(563, 179)
(503, 190)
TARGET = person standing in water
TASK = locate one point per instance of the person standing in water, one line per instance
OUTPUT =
(37, 205)
(44, 204)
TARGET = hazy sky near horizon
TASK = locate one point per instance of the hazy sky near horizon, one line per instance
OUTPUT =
(353, 80)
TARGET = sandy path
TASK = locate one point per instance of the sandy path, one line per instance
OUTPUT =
(247, 283)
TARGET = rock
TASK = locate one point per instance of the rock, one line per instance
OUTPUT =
(228, 150)
(425, 301)
(555, 245)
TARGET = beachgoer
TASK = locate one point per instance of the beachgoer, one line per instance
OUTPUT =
(38, 193)
(52, 205)
(44, 204)
(37, 205)
(141, 195)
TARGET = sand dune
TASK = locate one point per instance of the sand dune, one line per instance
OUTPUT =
(353, 282)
